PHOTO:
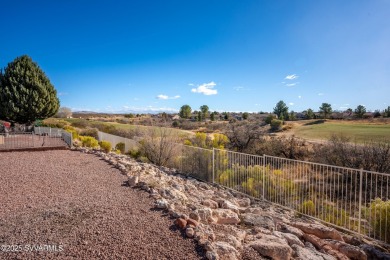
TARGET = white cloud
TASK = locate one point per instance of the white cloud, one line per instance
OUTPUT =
(291, 84)
(206, 89)
(291, 77)
(320, 94)
(299, 97)
(238, 88)
(165, 97)
(162, 96)
(191, 84)
(291, 103)
(62, 93)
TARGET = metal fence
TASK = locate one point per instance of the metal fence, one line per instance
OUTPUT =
(352, 199)
(40, 137)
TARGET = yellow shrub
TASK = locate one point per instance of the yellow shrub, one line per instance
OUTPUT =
(106, 146)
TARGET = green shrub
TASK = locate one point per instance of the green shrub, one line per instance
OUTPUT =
(269, 118)
(89, 141)
(379, 214)
(276, 125)
(134, 153)
(74, 133)
(106, 146)
(175, 124)
(121, 147)
(308, 207)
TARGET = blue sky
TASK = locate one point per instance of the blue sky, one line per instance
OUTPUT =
(151, 56)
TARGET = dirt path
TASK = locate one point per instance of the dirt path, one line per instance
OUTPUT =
(69, 205)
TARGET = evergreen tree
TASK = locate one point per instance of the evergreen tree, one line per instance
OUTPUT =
(185, 111)
(281, 110)
(26, 94)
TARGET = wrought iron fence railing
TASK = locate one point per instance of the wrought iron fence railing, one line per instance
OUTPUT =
(40, 137)
(351, 199)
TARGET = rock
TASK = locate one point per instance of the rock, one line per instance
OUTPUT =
(211, 255)
(373, 253)
(190, 232)
(181, 223)
(205, 215)
(225, 251)
(172, 194)
(273, 247)
(222, 230)
(210, 203)
(244, 202)
(290, 238)
(226, 216)
(264, 220)
(195, 216)
(303, 253)
(161, 204)
(192, 222)
(132, 181)
(292, 230)
(318, 230)
(229, 205)
(351, 251)
(323, 245)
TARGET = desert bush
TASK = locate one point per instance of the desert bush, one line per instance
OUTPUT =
(89, 132)
(159, 145)
(219, 141)
(175, 124)
(80, 123)
(135, 153)
(269, 118)
(379, 215)
(106, 146)
(89, 141)
(120, 147)
(276, 125)
(339, 151)
(74, 133)
(242, 135)
(55, 123)
(308, 207)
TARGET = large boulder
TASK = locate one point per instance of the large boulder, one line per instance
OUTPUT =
(262, 220)
(318, 230)
(304, 253)
(272, 247)
(226, 216)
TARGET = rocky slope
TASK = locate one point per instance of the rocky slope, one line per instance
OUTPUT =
(230, 225)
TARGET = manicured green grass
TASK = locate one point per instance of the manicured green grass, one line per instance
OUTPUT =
(359, 132)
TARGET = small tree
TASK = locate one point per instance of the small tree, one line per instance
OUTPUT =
(281, 110)
(64, 112)
(309, 114)
(26, 94)
(205, 111)
(245, 115)
(185, 111)
(360, 111)
(325, 109)
(386, 113)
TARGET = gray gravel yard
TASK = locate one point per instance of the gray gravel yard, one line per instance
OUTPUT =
(68, 205)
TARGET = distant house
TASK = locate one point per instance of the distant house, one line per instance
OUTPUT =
(176, 117)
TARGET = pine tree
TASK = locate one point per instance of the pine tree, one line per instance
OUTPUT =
(26, 94)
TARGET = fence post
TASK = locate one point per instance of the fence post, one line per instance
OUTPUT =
(360, 198)
(213, 163)
(263, 176)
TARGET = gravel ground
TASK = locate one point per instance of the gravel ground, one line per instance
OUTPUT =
(69, 205)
